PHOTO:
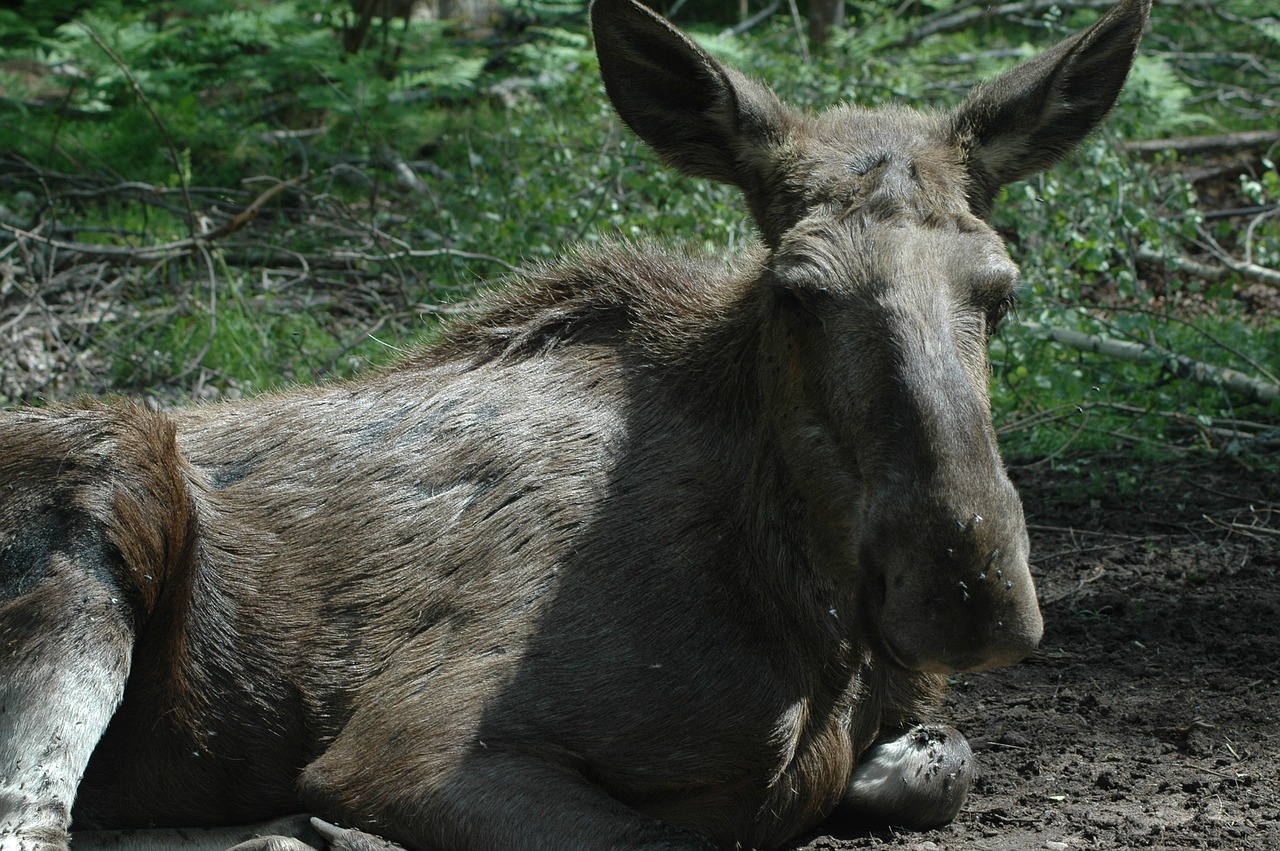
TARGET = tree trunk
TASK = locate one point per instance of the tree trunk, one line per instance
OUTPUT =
(824, 16)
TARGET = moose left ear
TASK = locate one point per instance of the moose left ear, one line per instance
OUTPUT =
(1034, 114)
(705, 119)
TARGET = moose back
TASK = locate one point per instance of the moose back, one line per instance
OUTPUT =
(655, 551)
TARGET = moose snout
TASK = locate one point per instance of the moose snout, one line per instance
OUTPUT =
(959, 598)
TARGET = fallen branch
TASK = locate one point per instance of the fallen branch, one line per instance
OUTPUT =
(406, 177)
(388, 256)
(1244, 528)
(750, 22)
(1182, 366)
(1215, 144)
(1256, 435)
(88, 251)
(250, 213)
(1240, 212)
(951, 20)
(1204, 271)
(1208, 271)
(1219, 425)
(1252, 271)
(165, 251)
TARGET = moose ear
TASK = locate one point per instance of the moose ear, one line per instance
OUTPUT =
(703, 118)
(1034, 114)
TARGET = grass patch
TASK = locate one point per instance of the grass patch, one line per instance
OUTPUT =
(439, 156)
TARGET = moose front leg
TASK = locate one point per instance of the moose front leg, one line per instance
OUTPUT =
(328, 837)
(916, 779)
(288, 833)
(64, 656)
(492, 799)
(92, 508)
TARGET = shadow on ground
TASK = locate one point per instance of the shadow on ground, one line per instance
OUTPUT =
(1150, 716)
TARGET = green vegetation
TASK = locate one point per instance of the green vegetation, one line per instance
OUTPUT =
(392, 180)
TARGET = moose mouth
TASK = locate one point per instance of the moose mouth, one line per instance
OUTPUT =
(936, 633)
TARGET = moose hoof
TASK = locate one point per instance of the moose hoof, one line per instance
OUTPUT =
(917, 779)
(272, 843)
(345, 839)
(38, 839)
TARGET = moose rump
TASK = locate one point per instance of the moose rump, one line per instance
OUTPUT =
(655, 551)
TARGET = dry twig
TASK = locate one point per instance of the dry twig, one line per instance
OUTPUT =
(966, 15)
(1214, 144)
(1184, 367)
(166, 251)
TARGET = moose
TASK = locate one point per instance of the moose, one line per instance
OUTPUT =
(654, 550)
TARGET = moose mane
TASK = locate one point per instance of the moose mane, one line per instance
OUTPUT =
(655, 306)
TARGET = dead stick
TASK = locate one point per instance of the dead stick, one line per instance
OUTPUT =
(1181, 365)
(250, 213)
(952, 20)
(1207, 144)
(1209, 272)
(168, 250)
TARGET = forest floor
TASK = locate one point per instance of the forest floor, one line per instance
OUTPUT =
(1150, 715)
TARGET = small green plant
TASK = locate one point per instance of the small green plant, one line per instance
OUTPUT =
(437, 157)
(1098, 615)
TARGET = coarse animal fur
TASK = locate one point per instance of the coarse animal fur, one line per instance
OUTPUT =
(655, 551)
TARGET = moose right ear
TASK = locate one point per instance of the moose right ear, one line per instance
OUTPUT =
(1034, 114)
(703, 118)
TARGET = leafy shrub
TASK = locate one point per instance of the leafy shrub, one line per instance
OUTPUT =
(516, 155)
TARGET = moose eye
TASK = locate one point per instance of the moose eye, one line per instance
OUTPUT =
(804, 303)
(800, 286)
(999, 311)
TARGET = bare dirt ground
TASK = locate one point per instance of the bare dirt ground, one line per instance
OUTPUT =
(1150, 716)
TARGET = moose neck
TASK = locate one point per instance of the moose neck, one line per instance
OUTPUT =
(795, 497)
(703, 350)
(807, 495)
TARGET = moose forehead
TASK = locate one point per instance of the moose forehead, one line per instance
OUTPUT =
(886, 163)
(885, 203)
(895, 263)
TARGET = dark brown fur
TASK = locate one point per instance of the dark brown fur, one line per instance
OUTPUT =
(648, 554)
